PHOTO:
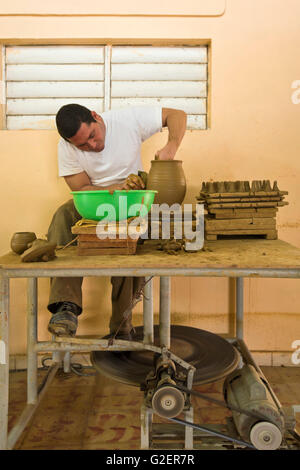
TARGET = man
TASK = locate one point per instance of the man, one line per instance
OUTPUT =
(98, 152)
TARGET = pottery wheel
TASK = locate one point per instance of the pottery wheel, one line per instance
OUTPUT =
(212, 356)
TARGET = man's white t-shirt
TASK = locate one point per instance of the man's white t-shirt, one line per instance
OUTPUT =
(126, 129)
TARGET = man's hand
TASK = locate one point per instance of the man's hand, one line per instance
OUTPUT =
(133, 182)
(167, 152)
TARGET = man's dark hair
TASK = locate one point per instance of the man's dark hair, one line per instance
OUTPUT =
(70, 117)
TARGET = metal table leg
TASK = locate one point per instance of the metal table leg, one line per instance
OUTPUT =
(32, 382)
(239, 308)
(165, 312)
(4, 360)
(67, 362)
(148, 312)
(188, 430)
(146, 423)
(34, 393)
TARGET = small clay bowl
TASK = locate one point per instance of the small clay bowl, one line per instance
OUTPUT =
(20, 240)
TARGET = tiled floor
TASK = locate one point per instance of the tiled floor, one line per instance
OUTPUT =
(98, 413)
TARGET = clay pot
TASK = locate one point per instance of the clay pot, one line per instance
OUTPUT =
(167, 177)
(20, 241)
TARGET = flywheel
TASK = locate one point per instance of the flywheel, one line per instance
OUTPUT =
(212, 356)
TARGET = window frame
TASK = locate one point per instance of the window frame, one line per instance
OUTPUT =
(108, 48)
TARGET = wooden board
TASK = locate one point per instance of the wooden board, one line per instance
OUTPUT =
(246, 224)
(114, 240)
(268, 234)
(211, 200)
(130, 250)
(94, 238)
(226, 254)
(91, 230)
(243, 213)
(107, 244)
(244, 194)
(89, 227)
(234, 205)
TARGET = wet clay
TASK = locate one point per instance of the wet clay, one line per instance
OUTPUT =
(167, 177)
(39, 250)
(19, 241)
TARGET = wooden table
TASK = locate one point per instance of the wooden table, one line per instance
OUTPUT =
(222, 258)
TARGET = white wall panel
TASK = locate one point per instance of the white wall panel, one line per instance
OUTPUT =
(189, 105)
(159, 71)
(158, 89)
(54, 54)
(54, 72)
(197, 122)
(54, 89)
(49, 106)
(149, 54)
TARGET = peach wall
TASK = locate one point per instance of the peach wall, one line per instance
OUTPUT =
(254, 134)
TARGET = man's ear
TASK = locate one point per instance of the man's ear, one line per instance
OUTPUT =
(96, 116)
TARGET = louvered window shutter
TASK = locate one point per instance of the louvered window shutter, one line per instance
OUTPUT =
(40, 79)
(174, 77)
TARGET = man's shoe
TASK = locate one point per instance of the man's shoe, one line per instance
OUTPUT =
(64, 321)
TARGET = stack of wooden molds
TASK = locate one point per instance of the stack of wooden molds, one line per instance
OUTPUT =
(89, 244)
(238, 208)
(155, 224)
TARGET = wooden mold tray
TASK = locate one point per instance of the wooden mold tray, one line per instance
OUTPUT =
(117, 242)
(265, 227)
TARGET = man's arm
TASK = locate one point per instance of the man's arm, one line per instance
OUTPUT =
(82, 182)
(175, 120)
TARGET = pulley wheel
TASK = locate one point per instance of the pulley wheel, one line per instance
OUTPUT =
(168, 402)
(212, 356)
(265, 436)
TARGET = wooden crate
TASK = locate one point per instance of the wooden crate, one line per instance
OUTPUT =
(89, 244)
(108, 246)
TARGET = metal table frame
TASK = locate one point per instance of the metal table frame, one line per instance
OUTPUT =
(61, 348)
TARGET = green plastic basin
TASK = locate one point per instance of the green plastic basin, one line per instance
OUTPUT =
(120, 205)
